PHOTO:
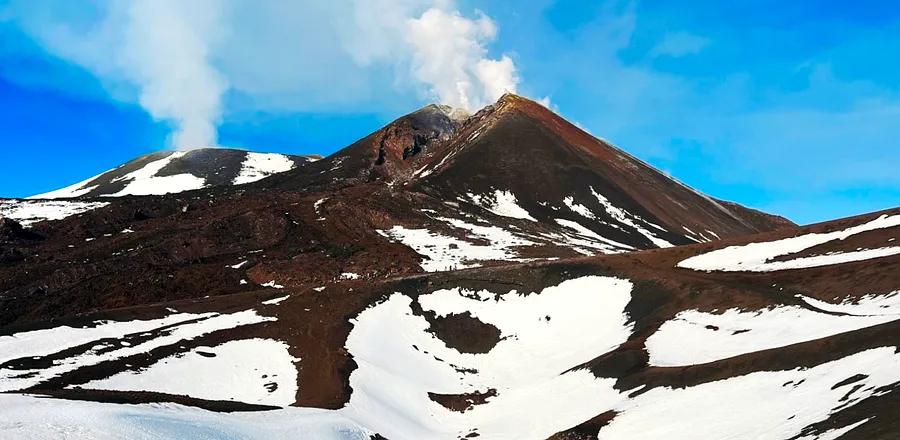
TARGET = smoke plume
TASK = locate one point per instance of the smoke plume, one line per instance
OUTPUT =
(166, 52)
(178, 58)
(449, 55)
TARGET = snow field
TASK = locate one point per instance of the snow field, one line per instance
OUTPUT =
(754, 257)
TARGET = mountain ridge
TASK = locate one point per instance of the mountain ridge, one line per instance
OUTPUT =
(168, 171)
(506, 275)
(685, 341)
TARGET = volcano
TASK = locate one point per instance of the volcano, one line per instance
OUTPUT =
(499, 275)
(168, 172)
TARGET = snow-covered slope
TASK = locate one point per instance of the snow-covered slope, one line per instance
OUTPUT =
(169, 172)
(28, 212)
(512, 183)
(631, 346)
(759, 256)
(502, 276)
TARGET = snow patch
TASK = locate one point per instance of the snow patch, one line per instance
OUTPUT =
(608, 244)
(257, 166)
(256, 371)
(629, 219)
(579, 208)
(36, 418)
(71, 191)
(760, 405)
(44, 342)
(754, 257)
(503, 203)
(144, 181)
(29, 212)
(695, 337)
(442, 252)
(544, 336)
(275, 301)
(171, 330)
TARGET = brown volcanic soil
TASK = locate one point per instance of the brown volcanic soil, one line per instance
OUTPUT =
(216, 166)
(462, 402)
(464, 332)
(520, 145)
(316, 323)
(182, 249)
(182, 246)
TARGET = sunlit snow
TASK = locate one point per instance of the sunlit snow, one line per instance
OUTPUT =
(257, 166)
(610, 245)
(74, 190)
(774, 405)
(502, 203)
(106, 345)
(544, 336)
(145, 181)
(632, 220)
(257, 371)
(755, 257)
(28, 212)
(36, 418)
(695, 337)
(443, 252)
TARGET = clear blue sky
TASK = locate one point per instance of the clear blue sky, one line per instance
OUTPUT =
(789, 107)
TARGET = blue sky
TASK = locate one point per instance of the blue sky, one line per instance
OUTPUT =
(789, 107)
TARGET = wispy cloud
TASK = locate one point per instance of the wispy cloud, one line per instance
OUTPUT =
(187, 61)
(449, 55)
(166, 51)
(161, 48)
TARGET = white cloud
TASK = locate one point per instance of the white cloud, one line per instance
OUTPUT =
(154, 52)
(180, 60)
(449, 55)
(498, 77)
(166, 51)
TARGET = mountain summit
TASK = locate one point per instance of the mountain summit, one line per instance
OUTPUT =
(168, 172)
(502, 275)
(434, 190)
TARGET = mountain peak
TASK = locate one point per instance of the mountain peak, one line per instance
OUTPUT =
(511, 98)
(454, 113)
(168, 171)
(519, 148)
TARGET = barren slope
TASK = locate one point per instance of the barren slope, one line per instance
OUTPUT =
(784, 335)
(432, 191)
(168, 172)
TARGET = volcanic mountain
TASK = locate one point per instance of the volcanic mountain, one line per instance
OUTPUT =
(167, 172)
(417, 195)
(792, 334)
(502, 275)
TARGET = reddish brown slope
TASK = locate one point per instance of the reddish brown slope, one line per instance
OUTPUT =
(316, 324)
(391, 153)
(520, 146)
(314, 223)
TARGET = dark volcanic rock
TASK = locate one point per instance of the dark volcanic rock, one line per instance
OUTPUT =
(429, 170)
(11, 230)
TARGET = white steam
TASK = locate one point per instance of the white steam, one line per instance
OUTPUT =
(449, 55)
(178, 58)
(444, 50)
(166, 51)
(154, 52)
